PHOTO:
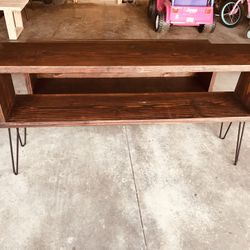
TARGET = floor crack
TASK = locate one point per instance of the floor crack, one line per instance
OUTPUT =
(136, 190)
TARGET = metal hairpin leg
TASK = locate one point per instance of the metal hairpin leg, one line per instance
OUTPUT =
(241, 129)
(24, 142)
(19, 141)
(221, 128)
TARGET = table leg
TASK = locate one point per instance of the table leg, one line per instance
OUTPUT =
(14, 23)
(19, 142)
(18, 19)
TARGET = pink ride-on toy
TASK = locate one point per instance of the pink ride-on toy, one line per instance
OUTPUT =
(199, 13)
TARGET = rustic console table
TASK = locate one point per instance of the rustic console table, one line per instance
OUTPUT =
(122, 82)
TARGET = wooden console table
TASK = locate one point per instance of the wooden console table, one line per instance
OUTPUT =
(122, 82)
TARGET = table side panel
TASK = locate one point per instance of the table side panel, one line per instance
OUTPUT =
(243, 89)
(7, 96)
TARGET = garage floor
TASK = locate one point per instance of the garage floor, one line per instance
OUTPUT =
(90, 21)
(171, 187)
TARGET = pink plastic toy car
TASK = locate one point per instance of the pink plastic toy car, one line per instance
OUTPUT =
(199, 13)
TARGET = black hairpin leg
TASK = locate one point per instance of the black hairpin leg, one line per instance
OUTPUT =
(19, 141)
(241, 129)
(240, 134)
(221, 128)
(24, 142)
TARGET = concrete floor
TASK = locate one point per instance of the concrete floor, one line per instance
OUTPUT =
(168, 187)
(90, 21)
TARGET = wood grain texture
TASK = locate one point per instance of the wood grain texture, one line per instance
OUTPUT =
(7, 96)
(109, 109)
(87, 75)
(194, 83)
(30, 80)
(243, 89)
(147, 57)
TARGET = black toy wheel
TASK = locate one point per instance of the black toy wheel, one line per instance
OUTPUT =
(207, 28)
(201, 28)
(151, 8)
(159, 22)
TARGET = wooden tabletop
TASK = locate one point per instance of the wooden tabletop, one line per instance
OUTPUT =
(13, 4)
(113, 57)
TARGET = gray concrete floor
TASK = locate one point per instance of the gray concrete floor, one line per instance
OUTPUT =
(171, 187)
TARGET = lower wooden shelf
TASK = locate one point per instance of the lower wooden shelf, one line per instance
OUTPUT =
(108, 109)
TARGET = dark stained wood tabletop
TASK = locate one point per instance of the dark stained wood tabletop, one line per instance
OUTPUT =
(144, 57)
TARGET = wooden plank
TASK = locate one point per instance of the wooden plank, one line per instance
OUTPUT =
(108, 75)
(30, 81)
(243, 89)
(18, 19)
(10, 24)
(213, 82)
(194, 83)
(111, 109)
(145, 58)
(14, 23)
(7, 96)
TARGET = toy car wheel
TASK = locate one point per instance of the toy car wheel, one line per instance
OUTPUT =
(211, 27)
(201, 28)
(207, 28)
(234, 19)
(248, 34)
(151, 8)
(159, 22)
